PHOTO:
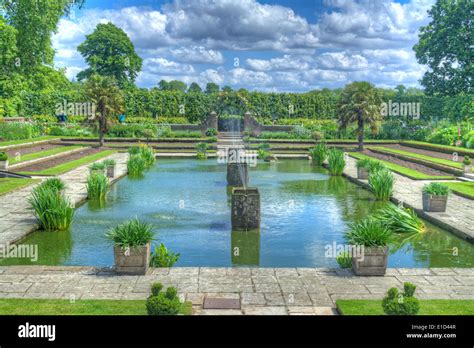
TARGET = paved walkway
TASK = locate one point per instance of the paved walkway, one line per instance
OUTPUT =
(459, 215)
(17, 219)
(261, 290)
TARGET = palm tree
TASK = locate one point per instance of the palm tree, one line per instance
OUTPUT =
(360, 102)
(105, 93)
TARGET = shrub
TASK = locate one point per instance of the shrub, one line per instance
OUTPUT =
(317, 135)
(336, 162)
(3, 156)
(19, 130)
(109, 162)
(400, 220)
(97, 166)
(405, 303)
(211, 132)
(163, 257)
(201, 149)
(344, 259)
(319, 153)
(129, 234)
(143, 130)
(467, 161)
(369, 232)
(163, 303)
(148, 155)
(55, 184)
(54, 212)
(301, 132)
(436, 189)
(156, 289)
(97, 186)
(136, 165)
(381, 184)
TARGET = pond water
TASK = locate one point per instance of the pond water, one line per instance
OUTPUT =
(304, 210)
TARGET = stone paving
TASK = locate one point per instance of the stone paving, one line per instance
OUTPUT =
(459, 215)
(16, 217)
(278, 291)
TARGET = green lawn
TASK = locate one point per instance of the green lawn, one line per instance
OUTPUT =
(25, 141)
(41, 154)
(8, 185)
(441, 161)
(439, 147)
(66, 167)
(427, 307)
(411, 173)
(463, 188)
(78, 307)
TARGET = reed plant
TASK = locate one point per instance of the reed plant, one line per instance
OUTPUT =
(381, 183)
(136, 165)
(319, 153)
(97, 186)
(129, 234)
(336, 161)
(400, 220)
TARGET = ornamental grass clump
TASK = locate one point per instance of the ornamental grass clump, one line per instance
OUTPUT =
(370, 164)
(54, 212)
(369, 232)
(381, 184)
(148, 155)
(400, 220)
(436, 189)
(336, 161)
(129, 234)
(136, 165)
(319, 153)
(201, 150)
(97, 186)
(55, 184)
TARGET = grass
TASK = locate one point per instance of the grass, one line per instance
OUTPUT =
(427, 307)
(41, 154)
(8, 185)
(26, 141)
(79, 307)
(66, 167)
(97, 186)
(410, 173)
(465, 189)
(436, 160)
(439, 147)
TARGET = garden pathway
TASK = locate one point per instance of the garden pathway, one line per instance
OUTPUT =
(459, 215)
(17, 219)
(278, 291)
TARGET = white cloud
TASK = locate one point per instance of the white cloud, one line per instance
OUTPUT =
(197, 54)
(165, 66)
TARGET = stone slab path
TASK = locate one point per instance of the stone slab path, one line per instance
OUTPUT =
(459, 215)
(16, 217)
(278, 291)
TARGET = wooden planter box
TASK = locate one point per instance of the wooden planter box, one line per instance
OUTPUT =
(374, 262)
(132, 261)
(110, 171)
(467, 168)
(435, 204)
(362, 173)
(4, 165)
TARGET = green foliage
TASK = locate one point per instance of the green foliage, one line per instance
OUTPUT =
(467, 161)
(381, 183)
(163, 303)
(129, 234)
(97, 166)
(78, 131)
(201, 149)
(54, 212)
(156, 289)
(136, 165)
(400, 220)
(300, 132)
(54, 184)
(405, 303)
(211, 132)
(133, 131)
(97, 186)
(3, 156)
(336, 161)
(369, 232)
(344, 259)
(319, 153)
(436, 189)
(148, 155)
(19, 130)
(163, 257)
(134, 150)
(109, 162)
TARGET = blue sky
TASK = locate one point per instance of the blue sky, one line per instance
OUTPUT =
(267, 45)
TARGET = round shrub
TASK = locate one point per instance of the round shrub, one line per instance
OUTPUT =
(171, 293)
(156, 289)
(405, 303)
(161, 305)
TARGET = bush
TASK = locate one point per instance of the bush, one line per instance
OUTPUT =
(19, 130)
(97, 186)
(319, 153)
(129, 234)
(163, 257)
(336, 161)
(3, 156)
(300, 132)
(97, 166)
(211, 132)
(133, 131)
(54, 212)
(369, 232)
(160, 303)
(467, 161)
(381, 184)
(436, 189)
(400, 220)
(201, 149)
(405, 303)
(344, 259)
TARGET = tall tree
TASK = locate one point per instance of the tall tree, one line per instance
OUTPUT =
(212, 87)
(110, 52)
(194, 88)
(360, 103)
(173, 85)
(105, 93)
(446, 46)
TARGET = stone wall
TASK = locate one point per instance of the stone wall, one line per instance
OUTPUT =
(256, 128)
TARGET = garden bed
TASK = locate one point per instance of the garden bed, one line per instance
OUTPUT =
(425, 152)
(31, 149)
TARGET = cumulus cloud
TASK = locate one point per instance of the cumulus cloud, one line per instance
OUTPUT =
(197, 54)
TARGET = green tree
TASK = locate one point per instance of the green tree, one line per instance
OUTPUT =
(194, 88)
(212, 87)
(164, 85)
(173, 85)
(227, 89)
(110, 52)
(360, 103)
(105, 93)
(446, 46)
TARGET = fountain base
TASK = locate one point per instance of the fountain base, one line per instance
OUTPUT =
(245, 209)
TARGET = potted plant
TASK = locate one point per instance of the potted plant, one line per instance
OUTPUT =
(467, 165)
(97, 168)
(131, 241)
(435, 197)
(370, 239)
(110, 165)
(3, 161)
(363, 166)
